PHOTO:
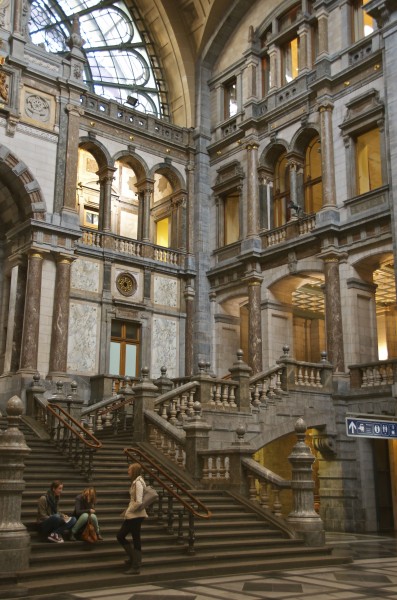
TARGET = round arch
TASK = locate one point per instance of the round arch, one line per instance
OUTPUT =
(98, 151)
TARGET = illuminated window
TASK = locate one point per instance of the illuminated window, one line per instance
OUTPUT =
(124, 349)
(368, 161)
(91, 218)
(230, 99)
(231, 219)
(290, 68)
(281, 210)
(118, 62)
(163, 232)
(312, 177)
(363, 24)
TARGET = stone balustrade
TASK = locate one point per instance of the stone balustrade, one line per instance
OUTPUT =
(177, 405)
(295, 228)
(266, 387)
(223, 395)
(374, 374)
(216, 467)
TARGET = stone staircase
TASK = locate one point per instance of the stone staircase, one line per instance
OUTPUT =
(235, 539)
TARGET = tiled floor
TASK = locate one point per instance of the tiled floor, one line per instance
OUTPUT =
(373, 574)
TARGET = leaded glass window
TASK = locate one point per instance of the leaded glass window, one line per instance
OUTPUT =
(119, 65)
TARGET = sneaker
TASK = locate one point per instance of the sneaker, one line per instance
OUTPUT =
(54, 537)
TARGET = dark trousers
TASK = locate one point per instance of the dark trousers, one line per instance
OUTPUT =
(132, 526)
(55, 524)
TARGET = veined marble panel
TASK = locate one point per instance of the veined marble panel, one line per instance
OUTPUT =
(85, 275)
(165, 291)
(164, 347)
(82, 343)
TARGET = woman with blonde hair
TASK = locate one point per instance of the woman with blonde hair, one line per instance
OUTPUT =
(84, 507)
(133, 519)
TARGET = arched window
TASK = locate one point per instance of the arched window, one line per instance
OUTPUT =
(119, 65)
(281, 210)
(312, 182)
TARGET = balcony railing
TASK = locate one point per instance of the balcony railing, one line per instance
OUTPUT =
(133, 248)
(292, 229)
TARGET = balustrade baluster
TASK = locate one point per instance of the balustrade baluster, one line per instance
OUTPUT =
(218, 402)
(264, 495)
(252, 488)
(364, 379)
(277, 506)
(300, 377)
(225, 396)
(232, 397)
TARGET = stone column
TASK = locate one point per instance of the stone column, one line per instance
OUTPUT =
(304, 518)
(31, 320)
(60, 321)
(304, 62)
(14, 539)
(147, 201)
(15, 315)
(189, 295)
(255, 322)
(72, 144)
(106, 176)
(17, 26)
(190, 211)
(252, 190)
(333, 314)
(322, 20)
(327, 154)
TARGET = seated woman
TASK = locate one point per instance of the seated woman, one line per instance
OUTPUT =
(84, 507)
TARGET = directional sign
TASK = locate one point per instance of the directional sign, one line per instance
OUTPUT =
(370, 428)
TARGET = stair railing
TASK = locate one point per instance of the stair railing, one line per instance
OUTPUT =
(112, 414)
(265, 487)
(68, 435)
(176, 405)
(170, 440)
(266, 387)
(171, 492)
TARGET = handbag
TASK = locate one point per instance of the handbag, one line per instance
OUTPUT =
(149, 496)
(89, 534)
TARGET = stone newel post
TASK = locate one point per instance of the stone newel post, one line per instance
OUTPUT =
(304, 518)
(145, 395)
(14, 539)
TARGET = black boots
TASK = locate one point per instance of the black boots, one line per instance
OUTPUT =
(135, 558)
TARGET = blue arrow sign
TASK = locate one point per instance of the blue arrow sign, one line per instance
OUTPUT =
(370, 428)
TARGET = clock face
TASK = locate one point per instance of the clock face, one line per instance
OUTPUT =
(126, 284)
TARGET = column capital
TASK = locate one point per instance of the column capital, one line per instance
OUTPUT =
(106, 172)
(325, 104)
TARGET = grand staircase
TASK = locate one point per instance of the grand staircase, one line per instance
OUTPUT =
(237, 538)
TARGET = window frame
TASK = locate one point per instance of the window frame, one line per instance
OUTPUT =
(124, 342)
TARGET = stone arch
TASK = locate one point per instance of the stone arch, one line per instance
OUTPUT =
(21, 197)
(171, 173)
(98, 151)
(303, 137)
(271, 153)
(137, 164)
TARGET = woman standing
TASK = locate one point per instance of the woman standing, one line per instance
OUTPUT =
(133, 519)
(84, 507)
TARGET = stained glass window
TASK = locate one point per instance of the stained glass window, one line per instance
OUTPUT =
(120, 64)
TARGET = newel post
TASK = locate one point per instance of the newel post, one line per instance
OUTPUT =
(145, 395)
(241, 372)
(197, 439)
(304, 519)
(14, 538)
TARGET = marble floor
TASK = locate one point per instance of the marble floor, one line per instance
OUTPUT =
(373, 574)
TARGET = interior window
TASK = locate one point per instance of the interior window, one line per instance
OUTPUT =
(230, 99)
(281, 210)
(124, 349)
(363, 24)
(368, 161)
(231, 218)
(290, 60)
(312, 177)
(163, 232)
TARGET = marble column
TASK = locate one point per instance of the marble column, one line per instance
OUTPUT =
(60, 321)
(254, 324)
(147, 201)
(303, 58)
(189, 300)
(74, 113)
(252, 190)
(15, 315)
(190, 208)
(31, 320)
(333, 314)
(106, 176)
(327, 154)
(17, 25)
(274, 76)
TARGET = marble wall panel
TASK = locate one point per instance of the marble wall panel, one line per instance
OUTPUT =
(82, 344)
(165, 291)
(164, 347)
(85, 275)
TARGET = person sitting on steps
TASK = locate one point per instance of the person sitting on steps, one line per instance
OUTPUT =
(51, 523)
(84, 507)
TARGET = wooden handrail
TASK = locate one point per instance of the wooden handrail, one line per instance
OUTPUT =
(174, 485)
(95, 444)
